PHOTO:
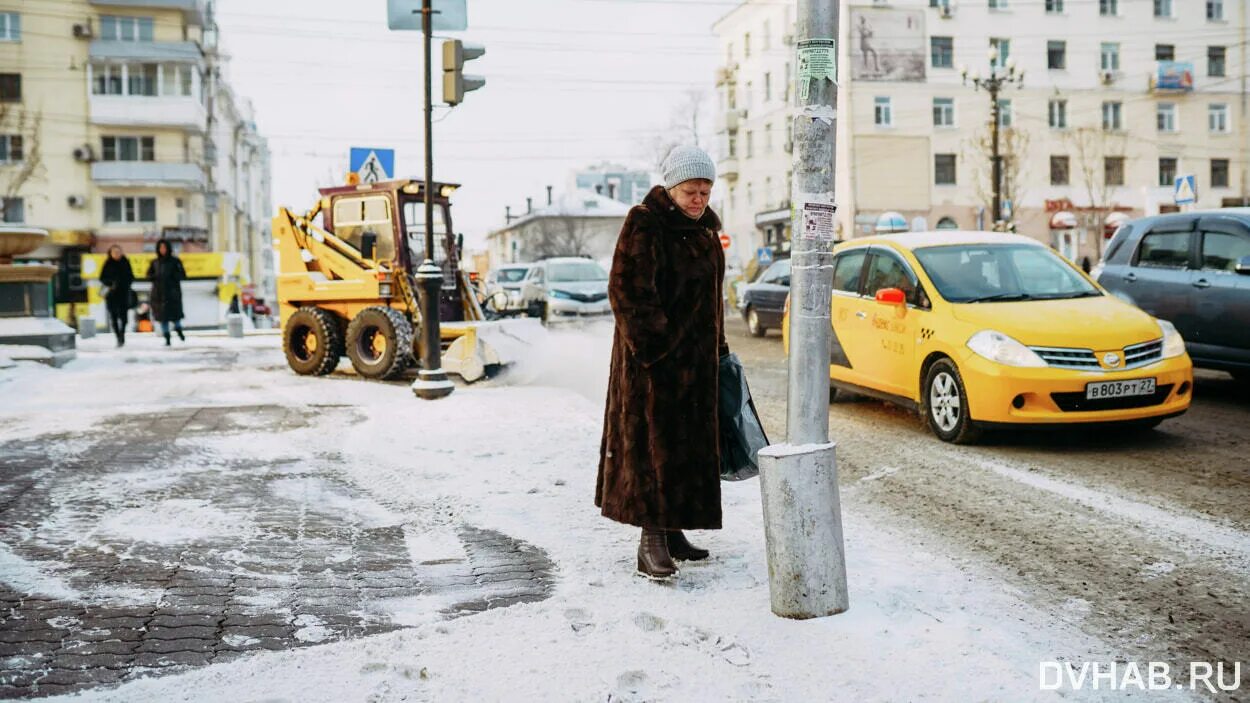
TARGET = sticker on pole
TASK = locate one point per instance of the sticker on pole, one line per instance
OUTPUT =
(818, 59)
(818, 221)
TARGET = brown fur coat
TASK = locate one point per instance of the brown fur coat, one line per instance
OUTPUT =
(659, 463)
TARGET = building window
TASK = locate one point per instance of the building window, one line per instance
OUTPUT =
(1167, 171)
(882, 115)
(1217, 118)
(1165, 52)
(1215, 61)
(10, 26)
(129, 209)
(750, 144)
(746, 95)
(768, 87)
(1219, 173)
(746, 45)
(147, 79)
(1004, 113)
(942, 52)
(768, 138)
(141, 79)
(113, 28)
(14, 211)
(785, 90)
(1112, 116)
(1215, 9)
(128, 149)
(1165, 117)
(10, 148)
(768, 191)
(1110, 56)
(943, 112)
(1113, 170)
(733, 146)
(944, 169)
(1108, 8)
(1056, 55)
(1059, 170)
(997, 4)
(750, 195)
(767, 39)
(1058, 114)
(1054, 6)
(1163, 8)
(1003, 47)
(10, 87)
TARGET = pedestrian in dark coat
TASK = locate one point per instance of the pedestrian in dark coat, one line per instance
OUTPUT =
(117, 277)
(166, 274)
(659, 466)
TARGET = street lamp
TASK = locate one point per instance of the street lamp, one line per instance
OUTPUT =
(999, 78)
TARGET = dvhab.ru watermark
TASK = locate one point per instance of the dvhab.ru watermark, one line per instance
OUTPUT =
(1211, 677)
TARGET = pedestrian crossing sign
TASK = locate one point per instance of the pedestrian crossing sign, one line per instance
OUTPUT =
(1186, 190)
(372, 165)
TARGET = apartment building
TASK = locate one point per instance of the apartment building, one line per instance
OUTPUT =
(126, 132)
(1116, 99)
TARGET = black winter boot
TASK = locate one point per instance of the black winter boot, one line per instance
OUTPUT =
(181, 337)
(654, 561)
(683, 550)
(166, 339)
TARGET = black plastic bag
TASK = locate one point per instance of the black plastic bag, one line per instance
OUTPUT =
(741, 434)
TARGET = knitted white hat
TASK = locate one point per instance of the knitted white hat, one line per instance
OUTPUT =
(685, 163)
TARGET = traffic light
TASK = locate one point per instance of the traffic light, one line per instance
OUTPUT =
(456, 83)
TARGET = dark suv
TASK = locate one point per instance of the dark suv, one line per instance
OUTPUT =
(1192, 269)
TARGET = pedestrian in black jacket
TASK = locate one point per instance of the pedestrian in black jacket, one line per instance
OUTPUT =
(117, 277)
(166, 274)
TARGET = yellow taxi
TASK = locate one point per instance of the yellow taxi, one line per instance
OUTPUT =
(978, 330)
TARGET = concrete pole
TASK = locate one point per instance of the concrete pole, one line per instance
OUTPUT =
(799, 479)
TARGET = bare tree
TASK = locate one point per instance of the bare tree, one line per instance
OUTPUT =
(26, 127)
(557, 235)
(1091, 147)
(684, 127)
(1013, 147)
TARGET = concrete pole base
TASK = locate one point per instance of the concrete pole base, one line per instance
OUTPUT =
(803, 530)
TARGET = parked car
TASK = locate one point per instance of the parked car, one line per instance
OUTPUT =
(503, 286)
(987, 329)
(566, 288)
(1192, 269)
(763, 302)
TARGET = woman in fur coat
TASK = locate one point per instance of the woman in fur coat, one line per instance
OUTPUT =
(659, 466)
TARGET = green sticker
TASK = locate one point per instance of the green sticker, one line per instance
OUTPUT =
(818, 59)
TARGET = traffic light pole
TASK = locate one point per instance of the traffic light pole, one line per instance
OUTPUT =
(431, 382)
(799, 479)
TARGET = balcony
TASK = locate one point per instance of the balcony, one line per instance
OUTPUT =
(148, 174)
(147, 51)
(192, 10)
(729, 168)
(181, 111)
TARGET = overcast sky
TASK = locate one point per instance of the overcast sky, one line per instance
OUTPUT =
(569, 83)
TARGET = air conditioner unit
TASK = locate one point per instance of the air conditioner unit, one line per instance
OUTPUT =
(84, 153)
(1107, 77)
(82, 31)
(945, 12)
(76, 201)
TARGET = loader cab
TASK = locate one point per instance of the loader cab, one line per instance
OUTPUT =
(389, 218)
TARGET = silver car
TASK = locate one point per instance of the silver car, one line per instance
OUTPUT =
(503, 286)
(566, 288)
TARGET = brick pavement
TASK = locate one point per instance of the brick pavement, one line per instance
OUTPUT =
(114, 608)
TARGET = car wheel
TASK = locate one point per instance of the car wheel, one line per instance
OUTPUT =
(753, 324)
(945, 404)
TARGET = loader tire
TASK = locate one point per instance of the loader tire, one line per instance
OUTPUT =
(312, 341)
(379, 342)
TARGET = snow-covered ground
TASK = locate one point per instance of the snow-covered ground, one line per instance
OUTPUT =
(518, 454)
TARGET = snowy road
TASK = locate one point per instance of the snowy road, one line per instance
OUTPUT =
(1142, 539)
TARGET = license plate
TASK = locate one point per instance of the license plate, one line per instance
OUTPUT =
(1119, 389)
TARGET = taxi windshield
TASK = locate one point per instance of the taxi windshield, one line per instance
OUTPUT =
(984, 273)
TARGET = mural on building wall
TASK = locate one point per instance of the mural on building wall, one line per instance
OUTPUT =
(887, 44)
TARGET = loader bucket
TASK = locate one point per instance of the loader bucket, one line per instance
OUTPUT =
(483, 348)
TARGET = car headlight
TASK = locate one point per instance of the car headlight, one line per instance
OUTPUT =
(1000, 348)
(560, 294)
(1173, 344)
